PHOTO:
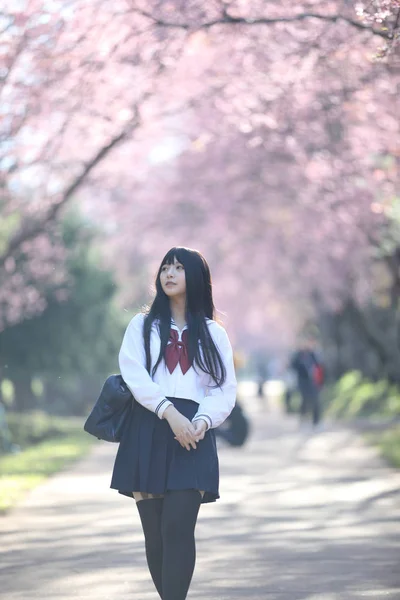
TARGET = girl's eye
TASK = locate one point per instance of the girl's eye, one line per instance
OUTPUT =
(179, 267)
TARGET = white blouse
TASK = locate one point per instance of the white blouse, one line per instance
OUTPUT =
(215, 404)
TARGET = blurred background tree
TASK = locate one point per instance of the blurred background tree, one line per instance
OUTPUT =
(266, 134)
(57, 359)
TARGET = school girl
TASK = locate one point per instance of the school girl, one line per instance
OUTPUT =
(178, 363)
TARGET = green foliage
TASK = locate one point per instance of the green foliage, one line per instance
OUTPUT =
(75, 339)
(8, 225)
(77, 335)
(25, 470)
(355, 396)
(389, 444)
(36, 426)
(7, 391)
(391, 234)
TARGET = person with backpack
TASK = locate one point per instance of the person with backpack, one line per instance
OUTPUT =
(310, 377)
(177, 361)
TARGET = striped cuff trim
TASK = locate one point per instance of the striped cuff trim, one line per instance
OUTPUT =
(205, 418)
(161, 404)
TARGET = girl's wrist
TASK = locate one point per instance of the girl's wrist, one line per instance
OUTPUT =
(203, 422)
(169, 412)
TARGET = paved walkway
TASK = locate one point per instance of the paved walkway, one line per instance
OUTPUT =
(302, 517)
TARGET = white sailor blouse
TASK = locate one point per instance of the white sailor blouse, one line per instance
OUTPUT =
(215, 403)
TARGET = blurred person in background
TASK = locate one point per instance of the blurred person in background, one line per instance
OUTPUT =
(178, 363)
(310, 377)
(262, 376)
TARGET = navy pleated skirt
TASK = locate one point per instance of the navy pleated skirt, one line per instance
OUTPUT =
(150, 460)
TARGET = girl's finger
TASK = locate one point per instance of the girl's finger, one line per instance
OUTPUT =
(183, 443)
(189, 437)
(193, 435)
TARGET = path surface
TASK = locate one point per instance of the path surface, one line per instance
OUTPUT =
(302, 517)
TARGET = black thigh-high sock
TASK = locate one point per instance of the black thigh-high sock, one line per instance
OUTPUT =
(179, 517)
(150, 511)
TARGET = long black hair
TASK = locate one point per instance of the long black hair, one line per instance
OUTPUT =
(202, 350)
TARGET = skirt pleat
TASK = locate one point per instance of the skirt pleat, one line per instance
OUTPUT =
(150, 460)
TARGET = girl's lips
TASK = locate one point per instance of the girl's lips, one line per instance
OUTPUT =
(170, 283)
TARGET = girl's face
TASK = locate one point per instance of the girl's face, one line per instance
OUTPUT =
(173, 279)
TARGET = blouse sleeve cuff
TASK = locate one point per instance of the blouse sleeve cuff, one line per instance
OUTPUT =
(162, 407)
(205, 418)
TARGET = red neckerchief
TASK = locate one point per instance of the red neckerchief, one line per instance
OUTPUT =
(177, 352)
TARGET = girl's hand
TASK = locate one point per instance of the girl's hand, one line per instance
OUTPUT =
(201, 428)
(184, 430)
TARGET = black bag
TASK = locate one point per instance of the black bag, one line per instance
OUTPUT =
(236, 428)
(112, 410)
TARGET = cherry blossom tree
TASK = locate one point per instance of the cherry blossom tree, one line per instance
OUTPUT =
(265, 134)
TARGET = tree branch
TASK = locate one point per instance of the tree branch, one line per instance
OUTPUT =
(227, 19)
(31, 229)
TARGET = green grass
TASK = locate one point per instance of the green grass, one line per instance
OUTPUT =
(388, 443)
(355, 396)
(23, 471)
